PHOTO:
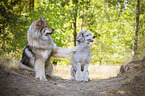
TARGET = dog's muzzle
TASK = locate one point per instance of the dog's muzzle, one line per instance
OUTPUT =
(49, 32)
(91, 40)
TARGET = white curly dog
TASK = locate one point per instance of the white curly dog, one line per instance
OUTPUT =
(81, 58)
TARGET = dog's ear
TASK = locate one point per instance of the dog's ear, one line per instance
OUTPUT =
(44, 17)
(80, 38)
(40, 19)
(39, 22)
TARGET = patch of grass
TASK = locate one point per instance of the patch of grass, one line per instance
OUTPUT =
(8, 62)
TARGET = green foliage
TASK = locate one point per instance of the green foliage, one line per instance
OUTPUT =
(111, 21)
(11, 26)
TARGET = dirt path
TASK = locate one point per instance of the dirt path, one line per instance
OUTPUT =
(24, 84)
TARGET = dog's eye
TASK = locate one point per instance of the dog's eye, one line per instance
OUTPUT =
(45, 26)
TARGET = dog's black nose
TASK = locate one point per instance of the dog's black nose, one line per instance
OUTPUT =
(93, 36)
(52, 29)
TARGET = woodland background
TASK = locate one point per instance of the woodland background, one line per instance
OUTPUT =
(111, 21)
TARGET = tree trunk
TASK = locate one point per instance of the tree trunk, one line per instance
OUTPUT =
(75, 21)
(31, 5)
(75, 33)
(134, 51)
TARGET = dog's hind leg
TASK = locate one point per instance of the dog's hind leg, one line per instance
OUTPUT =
(86, 73)
(79, 73)
(49, 68)
(40, 69)
(72, 71)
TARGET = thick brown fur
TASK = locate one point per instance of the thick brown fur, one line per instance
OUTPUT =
(40, 48)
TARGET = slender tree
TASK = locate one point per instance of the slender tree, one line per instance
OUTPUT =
(31, 5)
(134, 51)
(75, 20)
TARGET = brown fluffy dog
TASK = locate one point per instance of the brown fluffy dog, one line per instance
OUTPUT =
(40, 47)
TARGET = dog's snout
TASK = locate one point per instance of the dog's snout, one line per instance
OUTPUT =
(52, 29)
(93, 36)
(47, 33)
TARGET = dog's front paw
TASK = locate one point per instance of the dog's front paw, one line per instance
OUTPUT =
(42, 78)
(85, 76)
(72, 78)
(74, 49)
(79, 76)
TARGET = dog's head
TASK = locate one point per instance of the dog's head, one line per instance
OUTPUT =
(43, 27)
(85, 36)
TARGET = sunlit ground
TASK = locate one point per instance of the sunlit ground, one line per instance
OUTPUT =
(95, 71)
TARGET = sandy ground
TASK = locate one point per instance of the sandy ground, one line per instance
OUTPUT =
(23, 83)
(95, 71)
